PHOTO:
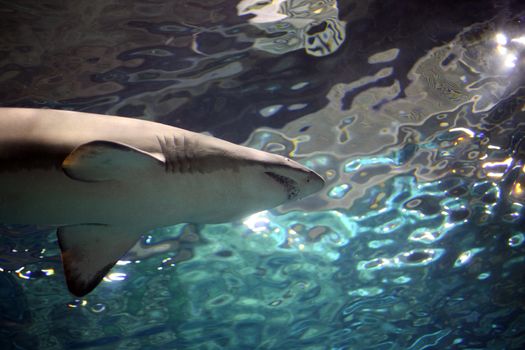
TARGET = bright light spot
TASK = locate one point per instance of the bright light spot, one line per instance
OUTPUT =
(510, 60)
(270, 110)
(115, 276)
(465, 130)
(466, 256)
(123, 262)
(77, 303)
(507, 162)
(257, 222)
(339, 191)
(426, 237)
(21, 275)
(495, 175)
(520, 40)
(301, 246)
(48, 272)
(493, 147)
(518, 189)
(502, 50)
(501, 39)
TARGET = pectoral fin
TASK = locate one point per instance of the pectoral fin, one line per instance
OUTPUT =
(89, 252)
(107, 160)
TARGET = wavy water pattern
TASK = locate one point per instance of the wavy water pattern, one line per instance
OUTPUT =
(414, 114)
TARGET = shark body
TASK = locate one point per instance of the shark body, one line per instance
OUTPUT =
(106, 180)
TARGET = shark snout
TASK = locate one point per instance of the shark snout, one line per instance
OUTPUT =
(309, 182)
(315, 183)
(298, 180)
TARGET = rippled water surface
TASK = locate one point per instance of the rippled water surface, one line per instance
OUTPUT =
(413, 111)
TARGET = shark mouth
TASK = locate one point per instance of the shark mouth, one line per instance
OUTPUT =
(291, 186)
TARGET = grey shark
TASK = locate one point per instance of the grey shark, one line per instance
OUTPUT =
(106, 180)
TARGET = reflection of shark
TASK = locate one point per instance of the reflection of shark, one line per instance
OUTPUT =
(105, 180)
(294, 24)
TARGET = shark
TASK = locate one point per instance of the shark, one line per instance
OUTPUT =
(103, 181)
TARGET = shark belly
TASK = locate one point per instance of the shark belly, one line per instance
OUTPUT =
(50, 197)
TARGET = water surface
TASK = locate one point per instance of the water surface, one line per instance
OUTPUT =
(414, 112)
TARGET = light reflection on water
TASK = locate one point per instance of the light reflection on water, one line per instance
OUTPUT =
(415, 243)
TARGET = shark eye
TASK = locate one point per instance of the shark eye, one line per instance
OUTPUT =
(290, 185)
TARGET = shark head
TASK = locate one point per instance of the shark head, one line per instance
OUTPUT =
(274, 180)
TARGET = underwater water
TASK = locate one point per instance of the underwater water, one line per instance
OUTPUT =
(413, 112)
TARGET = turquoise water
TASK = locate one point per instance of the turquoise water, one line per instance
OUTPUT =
(413, 112)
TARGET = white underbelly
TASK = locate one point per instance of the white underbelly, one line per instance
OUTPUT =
(50, 197)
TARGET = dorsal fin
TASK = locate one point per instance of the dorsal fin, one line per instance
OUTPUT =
(90, 251)
(107, 160)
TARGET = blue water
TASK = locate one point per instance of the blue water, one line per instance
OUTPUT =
(413, 111)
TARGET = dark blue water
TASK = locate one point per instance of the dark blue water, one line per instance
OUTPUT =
(413, 111)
